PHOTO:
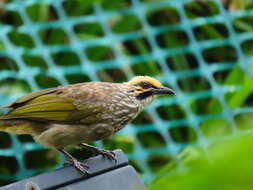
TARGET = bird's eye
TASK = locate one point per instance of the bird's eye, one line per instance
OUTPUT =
(145, 85)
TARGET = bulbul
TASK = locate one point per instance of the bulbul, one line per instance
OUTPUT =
(80, 113)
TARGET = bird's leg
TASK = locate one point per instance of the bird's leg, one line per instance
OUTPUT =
(106, 153)
(78, 165)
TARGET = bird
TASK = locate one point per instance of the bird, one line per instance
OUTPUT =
(77, 114)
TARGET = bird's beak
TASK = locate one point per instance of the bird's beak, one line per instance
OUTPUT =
(164, 90)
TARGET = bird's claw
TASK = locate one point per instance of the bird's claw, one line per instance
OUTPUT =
(108, 154)
(81, 167)
(105, 153)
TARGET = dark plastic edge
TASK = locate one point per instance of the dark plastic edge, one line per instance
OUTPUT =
(69, 174)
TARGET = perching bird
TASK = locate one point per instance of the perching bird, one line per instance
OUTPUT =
(80, 113)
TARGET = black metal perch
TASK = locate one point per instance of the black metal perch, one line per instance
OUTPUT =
(104, 175)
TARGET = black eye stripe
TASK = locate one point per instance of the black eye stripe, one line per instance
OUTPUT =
(144, 95)
(145, 85)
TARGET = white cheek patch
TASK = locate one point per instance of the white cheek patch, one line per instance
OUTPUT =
(147, 101)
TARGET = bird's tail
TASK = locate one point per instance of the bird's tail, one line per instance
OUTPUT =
(14, 126)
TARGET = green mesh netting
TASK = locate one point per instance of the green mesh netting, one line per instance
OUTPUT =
(198, 48)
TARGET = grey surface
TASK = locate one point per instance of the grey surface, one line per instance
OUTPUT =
(124, 178)
(99, 168)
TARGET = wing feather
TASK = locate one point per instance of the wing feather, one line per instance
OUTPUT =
(30, 96)
(45, 107)
(54, 105)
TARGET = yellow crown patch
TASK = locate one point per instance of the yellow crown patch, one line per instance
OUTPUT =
(139, 79)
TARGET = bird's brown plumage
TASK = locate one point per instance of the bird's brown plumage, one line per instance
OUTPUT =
(96, 110)
(78, 113)
(83, 112)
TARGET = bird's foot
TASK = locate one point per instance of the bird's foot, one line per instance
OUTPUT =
(83, 168)
(105, 153)
(108, 154)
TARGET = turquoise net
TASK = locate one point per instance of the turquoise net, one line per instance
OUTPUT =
(54, 42)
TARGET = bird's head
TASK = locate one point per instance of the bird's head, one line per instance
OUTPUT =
(146, 89)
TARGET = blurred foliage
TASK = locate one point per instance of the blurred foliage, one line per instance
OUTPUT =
(228, 166)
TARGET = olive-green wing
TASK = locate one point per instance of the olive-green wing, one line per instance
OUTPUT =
(52, 106)
(30, 96)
